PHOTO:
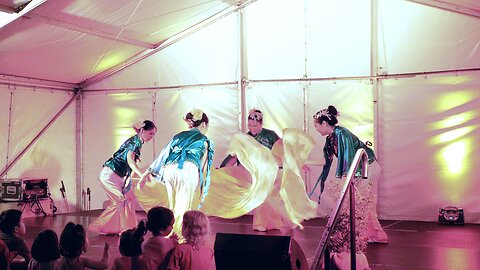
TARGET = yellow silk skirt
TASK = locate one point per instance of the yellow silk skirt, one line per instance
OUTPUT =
(235, 191)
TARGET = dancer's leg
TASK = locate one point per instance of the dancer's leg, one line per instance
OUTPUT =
(120, 214)
(184, 183)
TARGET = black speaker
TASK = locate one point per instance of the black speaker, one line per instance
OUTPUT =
(258, 252)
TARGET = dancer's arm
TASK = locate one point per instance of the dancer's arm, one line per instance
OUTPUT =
(133, 164)
(203, 162)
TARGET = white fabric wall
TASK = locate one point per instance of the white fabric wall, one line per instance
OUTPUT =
(53, 155)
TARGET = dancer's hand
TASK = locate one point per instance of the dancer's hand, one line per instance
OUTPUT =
(143, 180)
(306, 168)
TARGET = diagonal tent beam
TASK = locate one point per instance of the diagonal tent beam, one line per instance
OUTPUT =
(162, 45)
(88, 30)
(39, 134)
(449, 7)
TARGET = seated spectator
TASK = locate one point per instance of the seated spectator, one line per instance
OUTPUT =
(73, 242)
(158, 248)
(12, 230)
(4, 255)
(194, 254)
(131, 249)
(45, 252)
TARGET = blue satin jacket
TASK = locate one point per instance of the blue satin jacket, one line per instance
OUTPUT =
(186, 145)
(343, 144)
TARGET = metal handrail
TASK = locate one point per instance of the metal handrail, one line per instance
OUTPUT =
(360, 155)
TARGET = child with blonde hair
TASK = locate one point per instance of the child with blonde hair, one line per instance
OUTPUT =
(195, 253)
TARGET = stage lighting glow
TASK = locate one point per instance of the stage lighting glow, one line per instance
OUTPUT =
(454, 161)
(453, 156)
(109, 60)
(455, 99)
(454, 120)
(452, 80)
(452, 135)
(126, 117)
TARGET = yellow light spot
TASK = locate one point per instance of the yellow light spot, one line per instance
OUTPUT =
(452, 80)
(454, 99)
(125, 118)
(451, 135)
(453, 163)
(453, 156)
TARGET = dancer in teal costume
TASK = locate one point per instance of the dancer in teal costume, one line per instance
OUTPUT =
(181, 166)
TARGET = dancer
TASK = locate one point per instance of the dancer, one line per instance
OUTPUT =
(278, 210)
(182, 164)
(265, 137)
(343, 144)
(237, 190)
(115, 179)
(264, 216)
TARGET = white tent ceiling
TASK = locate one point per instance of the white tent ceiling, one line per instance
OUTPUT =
(72, 41)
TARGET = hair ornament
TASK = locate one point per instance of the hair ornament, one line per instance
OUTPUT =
(197, 115)
(189, 122)
(323, 112)
(139, 124)
(255, 114)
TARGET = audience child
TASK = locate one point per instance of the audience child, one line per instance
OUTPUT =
(45, 252)
(4, 255)
(158, 248)
(194, 254)
(12, 229)
(131, 250)
(73, 242)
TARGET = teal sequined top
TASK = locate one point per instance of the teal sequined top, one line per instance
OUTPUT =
(118, 163)
(343, 144)
(266, 137)
(185, 146)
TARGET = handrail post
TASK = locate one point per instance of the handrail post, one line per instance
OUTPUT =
(324, 246)
(326, 258)
(353, 250)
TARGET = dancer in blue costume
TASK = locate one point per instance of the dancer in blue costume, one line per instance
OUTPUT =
(343, 144)
(182, 164)
(115, 179)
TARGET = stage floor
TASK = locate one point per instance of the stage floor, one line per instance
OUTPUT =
(412, 245)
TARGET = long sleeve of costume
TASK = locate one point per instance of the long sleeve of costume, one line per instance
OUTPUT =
(296, 148)
(156, 168)
(237, 190)
(348, 144)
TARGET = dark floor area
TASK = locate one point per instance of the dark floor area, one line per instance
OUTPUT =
(412, 244)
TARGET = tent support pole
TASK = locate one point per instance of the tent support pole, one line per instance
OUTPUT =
(79, 153)
(243, 76)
